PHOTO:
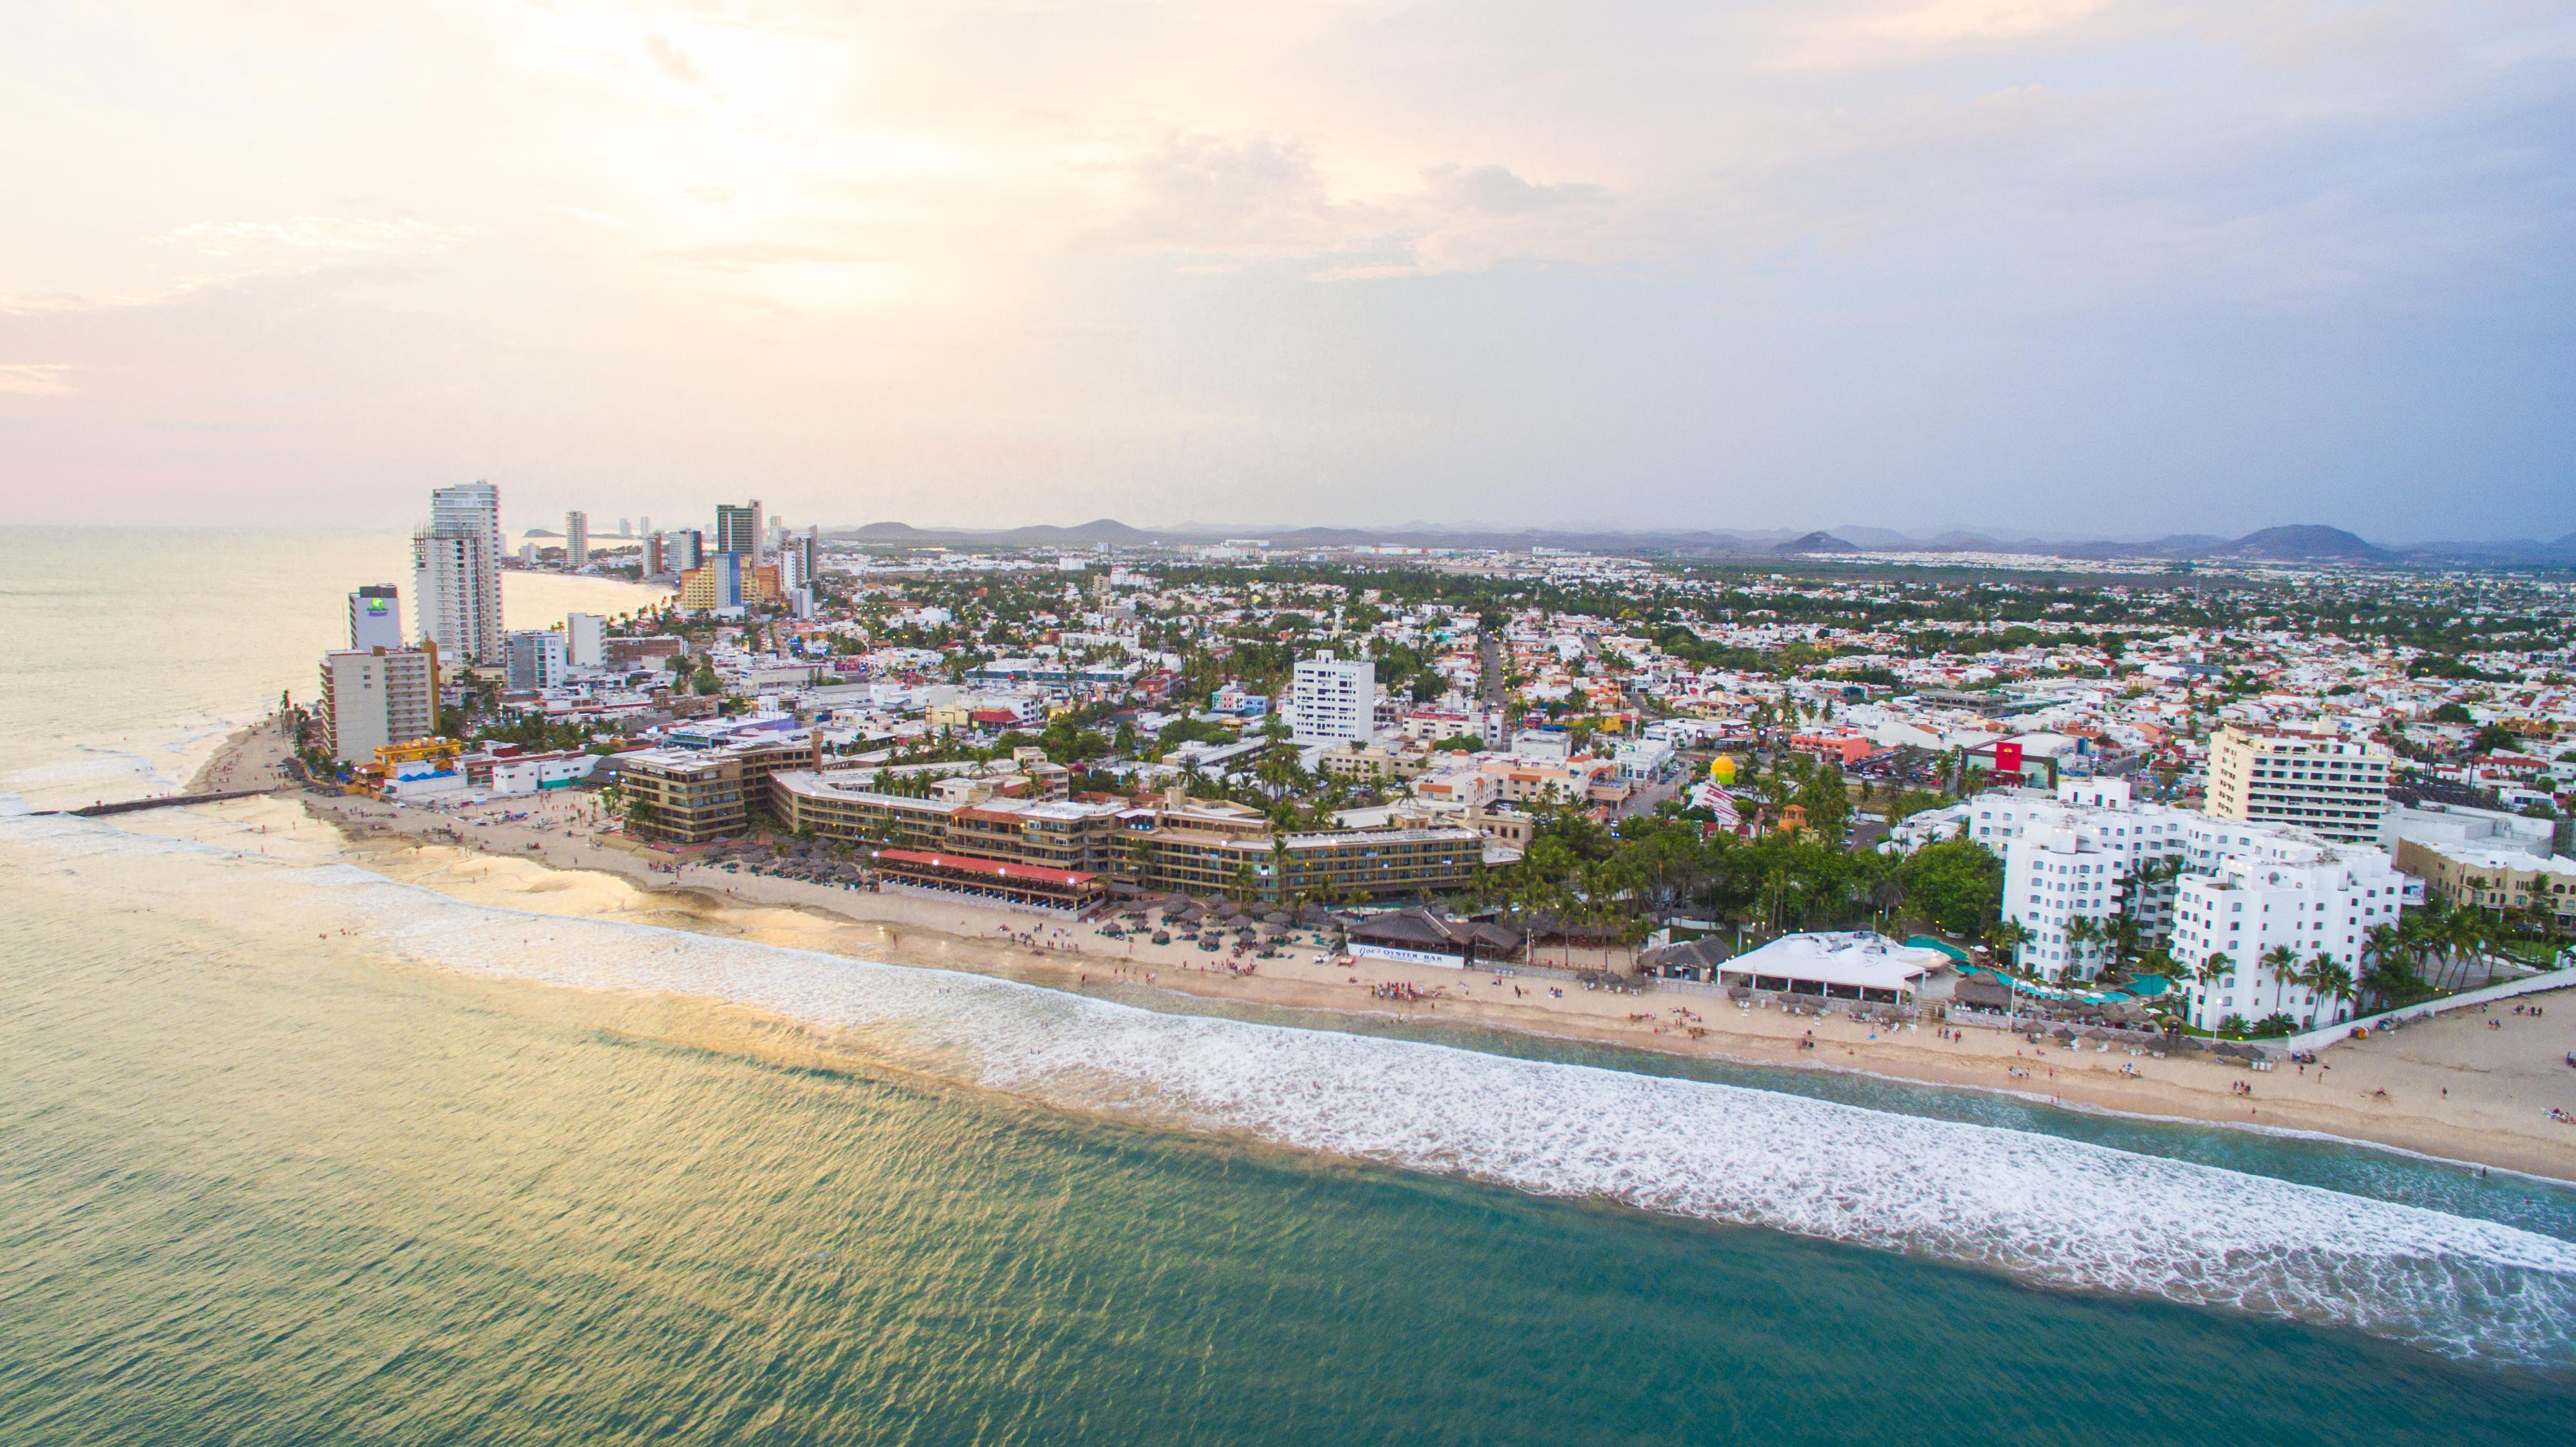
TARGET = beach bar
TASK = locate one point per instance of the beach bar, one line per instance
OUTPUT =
(1854, 965)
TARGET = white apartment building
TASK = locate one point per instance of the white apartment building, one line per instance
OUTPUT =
(377, 697)
(1333, 700)
(2320, 781)
(536, 660)
(585, 640)
(456, 573)
(2072, 856)
(2311, 899)
(576, 540)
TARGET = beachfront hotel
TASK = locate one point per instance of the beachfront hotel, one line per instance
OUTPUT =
(1170, 843)
(1165, 843)
(2308, 896)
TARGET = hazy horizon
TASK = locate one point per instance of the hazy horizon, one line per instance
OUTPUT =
(2070, 268)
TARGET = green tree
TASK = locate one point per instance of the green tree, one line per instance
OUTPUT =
(1957, 883)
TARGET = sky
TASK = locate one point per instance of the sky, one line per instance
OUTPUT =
(2069, 267)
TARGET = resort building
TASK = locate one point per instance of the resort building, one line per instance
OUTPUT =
(2253, 929)
(1171, 843)
(2083, 855)
(379, 697)
(2335, 786)
(695, 796)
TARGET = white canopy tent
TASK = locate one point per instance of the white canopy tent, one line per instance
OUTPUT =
(1846, 966)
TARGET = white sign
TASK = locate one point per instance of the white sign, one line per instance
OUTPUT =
(1410, 957)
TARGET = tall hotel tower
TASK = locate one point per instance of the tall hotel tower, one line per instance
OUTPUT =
(456, 574)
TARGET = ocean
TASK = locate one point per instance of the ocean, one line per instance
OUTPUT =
(294, 1152)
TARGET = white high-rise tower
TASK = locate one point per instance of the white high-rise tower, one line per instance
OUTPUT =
(456, 574)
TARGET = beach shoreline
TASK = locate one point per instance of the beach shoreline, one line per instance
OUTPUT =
(2455, 1089)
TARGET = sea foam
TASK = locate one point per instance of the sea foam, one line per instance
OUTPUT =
(2044, 1209)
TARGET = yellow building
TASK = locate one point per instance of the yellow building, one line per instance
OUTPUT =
(2334, 786)
(2485, 876)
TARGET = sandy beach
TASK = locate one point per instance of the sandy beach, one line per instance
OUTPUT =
(2472, 1086)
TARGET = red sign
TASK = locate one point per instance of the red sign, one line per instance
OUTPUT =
(2007, 758)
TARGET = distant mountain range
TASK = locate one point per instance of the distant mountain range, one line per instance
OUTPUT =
(2300, 543)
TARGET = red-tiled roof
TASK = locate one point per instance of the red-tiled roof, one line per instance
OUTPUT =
(990, 868)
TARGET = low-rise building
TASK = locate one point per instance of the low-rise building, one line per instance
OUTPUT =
(1369, 763)
(2498, 875)
(1171, 843)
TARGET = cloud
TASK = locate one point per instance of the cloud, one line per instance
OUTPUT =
(320, 236)
(1880, 34)
(1261, 195)
(1255, 194)
(35, 379)
(745, 256)
(673, 61)
(1766, 232)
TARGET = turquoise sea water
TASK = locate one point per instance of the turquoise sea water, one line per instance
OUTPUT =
(289, 1154)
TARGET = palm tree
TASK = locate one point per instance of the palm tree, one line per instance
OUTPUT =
(2006, 937)
(2328, 982)
(2081, 932)
(2217, 967)
(2282, 963)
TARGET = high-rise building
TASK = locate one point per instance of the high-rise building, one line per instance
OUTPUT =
(585, 639)
(657, 555)
(536, 659)
(456, 573)
(738, 531)
(717, 584)
(623, 530)
(1333, 700)
(644, 524)
(2321, 781)
(688, 549)
(811, 544)
(375, 618)
(576, 540)
(378, 696)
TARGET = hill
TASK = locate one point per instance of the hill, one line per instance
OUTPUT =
(2307, 542)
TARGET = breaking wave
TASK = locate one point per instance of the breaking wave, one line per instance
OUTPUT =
(2045, 1209)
